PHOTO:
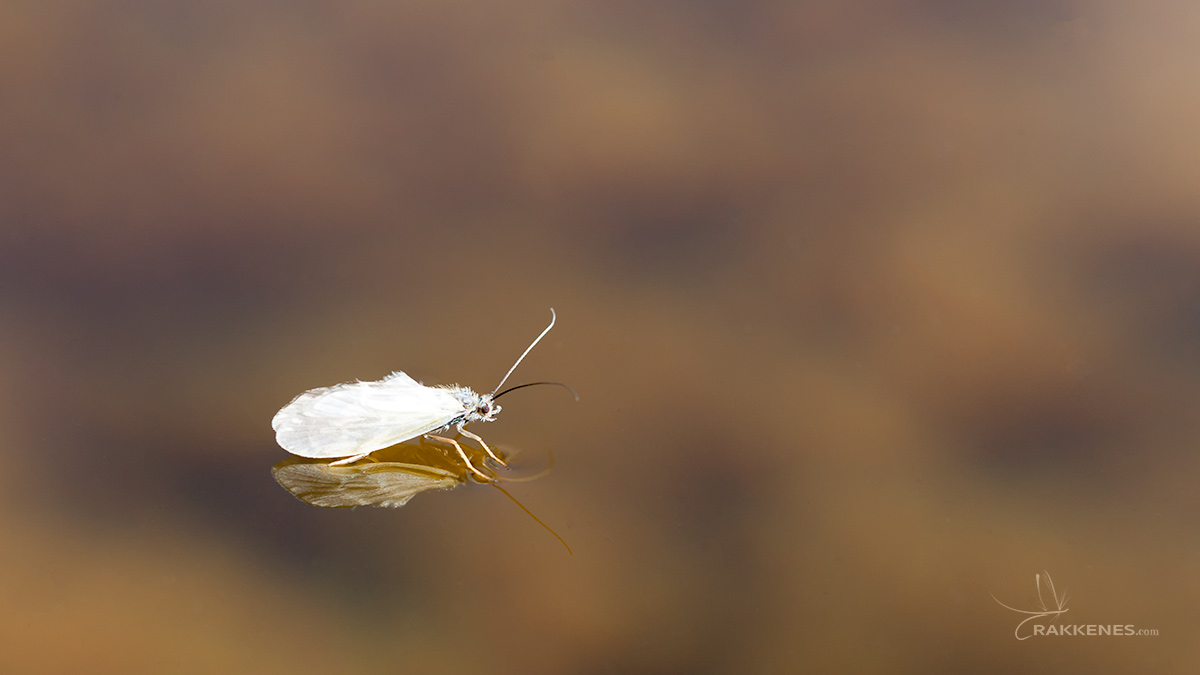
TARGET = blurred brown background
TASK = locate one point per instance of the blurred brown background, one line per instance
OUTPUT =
(876, 309)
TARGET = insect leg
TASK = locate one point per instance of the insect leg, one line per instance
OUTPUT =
(462, 454)
(349, 460)
(479, 440)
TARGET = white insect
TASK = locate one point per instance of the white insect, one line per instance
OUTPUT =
(354, 419)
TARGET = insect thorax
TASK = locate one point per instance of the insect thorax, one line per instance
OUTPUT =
(479, 407)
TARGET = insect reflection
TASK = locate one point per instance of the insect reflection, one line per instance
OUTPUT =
(392, 476)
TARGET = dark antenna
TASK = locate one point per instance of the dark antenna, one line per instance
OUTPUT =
(530, 384)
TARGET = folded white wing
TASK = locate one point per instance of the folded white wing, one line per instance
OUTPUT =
(357, 417)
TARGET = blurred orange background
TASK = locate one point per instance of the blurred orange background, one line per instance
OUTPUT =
(876, 310)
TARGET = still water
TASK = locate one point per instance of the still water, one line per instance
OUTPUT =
(884, 320)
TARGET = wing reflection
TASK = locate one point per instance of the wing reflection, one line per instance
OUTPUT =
(389, 477)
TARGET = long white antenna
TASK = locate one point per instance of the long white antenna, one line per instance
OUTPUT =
(527, 350)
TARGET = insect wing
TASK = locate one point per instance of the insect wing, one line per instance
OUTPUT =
(384, 484)
(357, 417)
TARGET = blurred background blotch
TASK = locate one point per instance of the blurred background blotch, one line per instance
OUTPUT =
(875, 311)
